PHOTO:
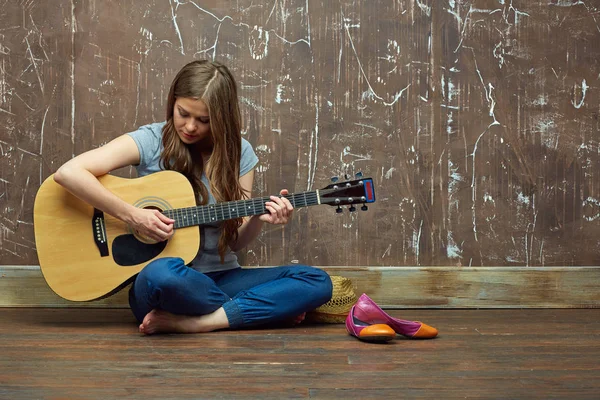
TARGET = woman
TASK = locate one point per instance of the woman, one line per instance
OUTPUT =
(201, 139)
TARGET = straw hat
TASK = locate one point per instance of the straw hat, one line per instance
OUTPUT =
(335, 310)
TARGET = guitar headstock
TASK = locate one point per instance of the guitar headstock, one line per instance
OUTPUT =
(358, 191)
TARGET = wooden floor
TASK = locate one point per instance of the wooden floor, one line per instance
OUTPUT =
(502, 354)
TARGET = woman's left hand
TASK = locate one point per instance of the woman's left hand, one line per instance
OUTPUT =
(280, 210)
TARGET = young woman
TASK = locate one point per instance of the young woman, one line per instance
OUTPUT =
(201, 139)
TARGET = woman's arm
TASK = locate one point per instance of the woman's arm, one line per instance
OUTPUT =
(78, 176)
(280, 211)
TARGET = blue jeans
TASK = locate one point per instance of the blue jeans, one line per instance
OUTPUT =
(249, 297)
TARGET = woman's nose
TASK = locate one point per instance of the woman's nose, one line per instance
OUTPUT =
(190, 126)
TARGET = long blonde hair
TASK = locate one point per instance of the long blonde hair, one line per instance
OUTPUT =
(212, 83)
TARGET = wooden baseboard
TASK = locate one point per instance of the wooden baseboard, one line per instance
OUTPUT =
(391, 287)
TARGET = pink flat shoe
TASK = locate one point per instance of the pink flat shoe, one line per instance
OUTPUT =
(368, 332)
(369, 312)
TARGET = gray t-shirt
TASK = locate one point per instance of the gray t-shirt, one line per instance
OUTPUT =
(149, 141)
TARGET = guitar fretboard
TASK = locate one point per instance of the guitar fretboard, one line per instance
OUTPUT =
(201, 215)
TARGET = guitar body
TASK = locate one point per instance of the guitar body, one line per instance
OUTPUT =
(85, 254)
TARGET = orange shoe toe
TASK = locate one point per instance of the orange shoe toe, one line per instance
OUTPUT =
(377, 333)
(425, 332)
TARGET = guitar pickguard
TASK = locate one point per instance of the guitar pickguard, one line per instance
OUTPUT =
(128, 251)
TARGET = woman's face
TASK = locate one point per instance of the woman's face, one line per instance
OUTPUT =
(191, 120)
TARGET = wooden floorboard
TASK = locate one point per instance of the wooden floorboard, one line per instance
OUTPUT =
(501, 354)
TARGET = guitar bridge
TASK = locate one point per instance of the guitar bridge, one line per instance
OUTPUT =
(99, 231)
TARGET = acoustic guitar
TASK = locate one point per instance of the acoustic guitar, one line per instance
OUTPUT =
(85, 254)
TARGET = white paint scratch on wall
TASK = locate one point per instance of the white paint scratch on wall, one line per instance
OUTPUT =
(584, 88)
(522, 199)
(4, 87)
(516, 12)
(144, 45)
(488, 89)
(452, 249)
(174, 16)
(137, 96)
(307, 22)
(281, 89)
(389, 173)
(591, 209)
(249, 102)
(499, 54)
(570, 3)
(370, 93)
(417, 242)
(546, 127)
(314, 147)
(279, 92)
(387, 251)
(263, 148)
(307, 40)
(542, 100)
(42, 140)
(357, 157)
(424, 7)
(35, 67)
(258, 43)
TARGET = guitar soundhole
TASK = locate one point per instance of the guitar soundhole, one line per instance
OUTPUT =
(127, 250)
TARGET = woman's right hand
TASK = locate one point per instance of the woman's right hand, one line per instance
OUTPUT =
(151, 224)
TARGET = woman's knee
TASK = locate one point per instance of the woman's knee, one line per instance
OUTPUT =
(163, 272)
(321, 281)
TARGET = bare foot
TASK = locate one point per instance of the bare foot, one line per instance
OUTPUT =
(161, 321)
(299, 318)
(157, 321)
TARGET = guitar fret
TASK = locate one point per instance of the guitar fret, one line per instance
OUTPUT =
(299, 202)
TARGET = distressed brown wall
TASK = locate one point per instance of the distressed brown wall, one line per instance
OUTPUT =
(478, 120)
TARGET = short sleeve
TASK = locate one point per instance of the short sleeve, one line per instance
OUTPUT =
(148, 139)
(249, 159)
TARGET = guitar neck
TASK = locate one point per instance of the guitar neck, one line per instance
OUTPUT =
(211, 213)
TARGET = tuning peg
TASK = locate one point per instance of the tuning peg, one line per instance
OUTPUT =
(352, 208)
(358, 175)
(338, 209)
(334, 179)
(364, 207)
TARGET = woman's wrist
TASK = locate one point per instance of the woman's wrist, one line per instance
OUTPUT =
(126, 213)
(255, 219)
